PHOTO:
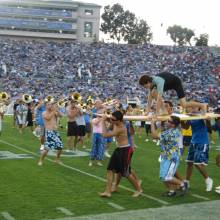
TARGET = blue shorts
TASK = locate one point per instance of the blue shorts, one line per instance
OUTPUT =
(53, 141)
(168, 169)
(186, 140)
(198, 154)
(108, 140)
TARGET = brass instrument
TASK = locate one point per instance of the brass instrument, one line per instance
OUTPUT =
(84, 107)
(62, 103)
(110, 102)
(76, 97)
(27, 98)
(49, 99)
(90, 100)
(4, 96)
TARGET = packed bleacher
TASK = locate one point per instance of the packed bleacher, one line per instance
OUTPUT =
(103, 70)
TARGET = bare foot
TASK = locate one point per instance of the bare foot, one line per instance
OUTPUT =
(137, 193)
(105, 194)
(57, 161)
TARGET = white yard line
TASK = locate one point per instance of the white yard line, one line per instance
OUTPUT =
(200, 197)
(85, 173)
(116, 206)
(65, 211)
(7, 216)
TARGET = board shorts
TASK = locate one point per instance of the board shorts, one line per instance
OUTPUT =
(120, 161)
(168, 169)
(198, 154)
(53, 140)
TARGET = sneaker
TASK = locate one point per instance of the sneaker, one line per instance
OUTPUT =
(34, 133)
(186, 184)
(90, 164)
(42, 147)
(107, 154)
(146, 140)
(40, 163)
(217, 191)
(99, 164)
(217, 187)
(209, 184)
(158, 143)
(169, 194)
(183, 191)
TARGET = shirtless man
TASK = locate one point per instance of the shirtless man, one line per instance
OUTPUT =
(120, 159)
(72, 112)
(52, 137)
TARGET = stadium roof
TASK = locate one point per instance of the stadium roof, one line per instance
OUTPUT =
(48, 2)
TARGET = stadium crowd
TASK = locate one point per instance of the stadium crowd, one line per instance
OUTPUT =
(103, 70)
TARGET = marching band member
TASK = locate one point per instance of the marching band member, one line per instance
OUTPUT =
(52, 137)
(72, 111)
(2, 112)
(40, 129)
(97, 151)
(15, 105)
(21, 112)
(81, 127)
(30, 116)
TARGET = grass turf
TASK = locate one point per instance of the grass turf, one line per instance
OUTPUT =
(30, 192)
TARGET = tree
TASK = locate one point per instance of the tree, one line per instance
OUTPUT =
(139, 32)
(189, 34)
(180, 35)
(202, 40)
(113, 18)
(123, 25)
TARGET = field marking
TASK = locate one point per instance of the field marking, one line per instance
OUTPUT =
(7, 216)
(85, 173)
(193, 211)
(200, 197)
(64, 211)
(116, 206)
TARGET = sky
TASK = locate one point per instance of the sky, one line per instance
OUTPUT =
(202, 16)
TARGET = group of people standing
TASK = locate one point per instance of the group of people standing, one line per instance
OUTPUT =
(93, 121)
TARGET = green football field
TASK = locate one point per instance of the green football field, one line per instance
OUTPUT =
(70, 190)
